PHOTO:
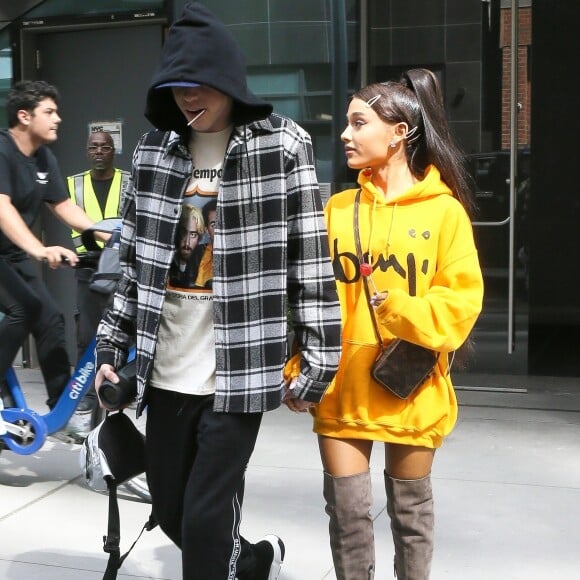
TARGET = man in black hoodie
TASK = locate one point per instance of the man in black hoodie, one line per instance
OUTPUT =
(210, 361)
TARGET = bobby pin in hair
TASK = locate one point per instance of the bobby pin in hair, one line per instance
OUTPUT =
(414, 134)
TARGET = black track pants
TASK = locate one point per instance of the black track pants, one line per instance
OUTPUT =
(196, 463)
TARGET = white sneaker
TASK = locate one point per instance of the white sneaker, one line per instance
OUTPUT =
(279, 551)
(76, 430)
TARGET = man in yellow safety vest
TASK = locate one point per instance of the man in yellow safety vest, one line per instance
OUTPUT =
(98, 192)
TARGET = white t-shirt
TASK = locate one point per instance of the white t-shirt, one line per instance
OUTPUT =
(185, 355)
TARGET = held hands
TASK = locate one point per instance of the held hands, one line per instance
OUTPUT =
(293, 403)
(291, 373)
(55, 256)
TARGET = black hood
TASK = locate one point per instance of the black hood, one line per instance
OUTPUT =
(200, 49)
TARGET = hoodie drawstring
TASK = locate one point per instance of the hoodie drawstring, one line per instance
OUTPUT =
(372, 229)
(249, 168)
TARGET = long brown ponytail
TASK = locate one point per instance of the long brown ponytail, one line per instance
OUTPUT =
(416, 99)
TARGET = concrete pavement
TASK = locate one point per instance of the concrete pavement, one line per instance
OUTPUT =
(506, 484)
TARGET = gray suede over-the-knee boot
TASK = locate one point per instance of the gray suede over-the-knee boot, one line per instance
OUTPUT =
(410, 507)
(348, 503)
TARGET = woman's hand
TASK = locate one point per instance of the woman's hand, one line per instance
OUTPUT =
(379, 298)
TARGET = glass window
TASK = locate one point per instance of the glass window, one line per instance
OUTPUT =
(5, 74)
(303, 93)
(70, 7)
(273, 82)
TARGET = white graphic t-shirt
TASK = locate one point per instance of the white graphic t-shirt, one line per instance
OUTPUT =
(185, 354)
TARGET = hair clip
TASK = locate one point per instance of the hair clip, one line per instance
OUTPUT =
(413, 133)
(372, 100)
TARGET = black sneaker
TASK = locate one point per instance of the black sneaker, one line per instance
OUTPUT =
(87, 403)
(272, 549)
(68, 437)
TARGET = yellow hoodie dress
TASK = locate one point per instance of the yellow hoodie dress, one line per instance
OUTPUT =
(421, 249)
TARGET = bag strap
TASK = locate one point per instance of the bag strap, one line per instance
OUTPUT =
(360, 257)
(112, 540)
(361, 261)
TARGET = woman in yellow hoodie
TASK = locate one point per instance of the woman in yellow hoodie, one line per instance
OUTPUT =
(417, 240)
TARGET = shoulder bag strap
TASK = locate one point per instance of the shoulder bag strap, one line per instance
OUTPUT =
(112, 540)
(361, 261)
(113, 537)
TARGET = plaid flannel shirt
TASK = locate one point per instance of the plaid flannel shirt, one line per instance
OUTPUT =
(271, 256)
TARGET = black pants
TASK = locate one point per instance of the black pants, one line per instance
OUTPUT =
(196, 464)
(28, 307)
(90, 308)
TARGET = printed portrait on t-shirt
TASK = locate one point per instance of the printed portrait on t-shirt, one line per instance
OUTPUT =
(192, 267)
(189, 247)
(205, 269)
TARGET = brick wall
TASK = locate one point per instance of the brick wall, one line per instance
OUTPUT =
(523, 84)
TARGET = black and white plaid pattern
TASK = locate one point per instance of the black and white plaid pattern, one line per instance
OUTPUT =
(270, 255)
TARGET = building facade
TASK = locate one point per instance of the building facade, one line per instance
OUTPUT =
(307, 57)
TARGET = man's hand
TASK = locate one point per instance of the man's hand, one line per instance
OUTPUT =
(298, 405)
(293, 403)
(55, 256)
(105, 373)
(102, 236)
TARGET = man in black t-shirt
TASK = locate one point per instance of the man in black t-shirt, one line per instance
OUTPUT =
(29, 177)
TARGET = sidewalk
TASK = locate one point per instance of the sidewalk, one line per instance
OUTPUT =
(506, 483)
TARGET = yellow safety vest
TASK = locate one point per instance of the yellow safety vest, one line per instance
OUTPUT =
(81, 191)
